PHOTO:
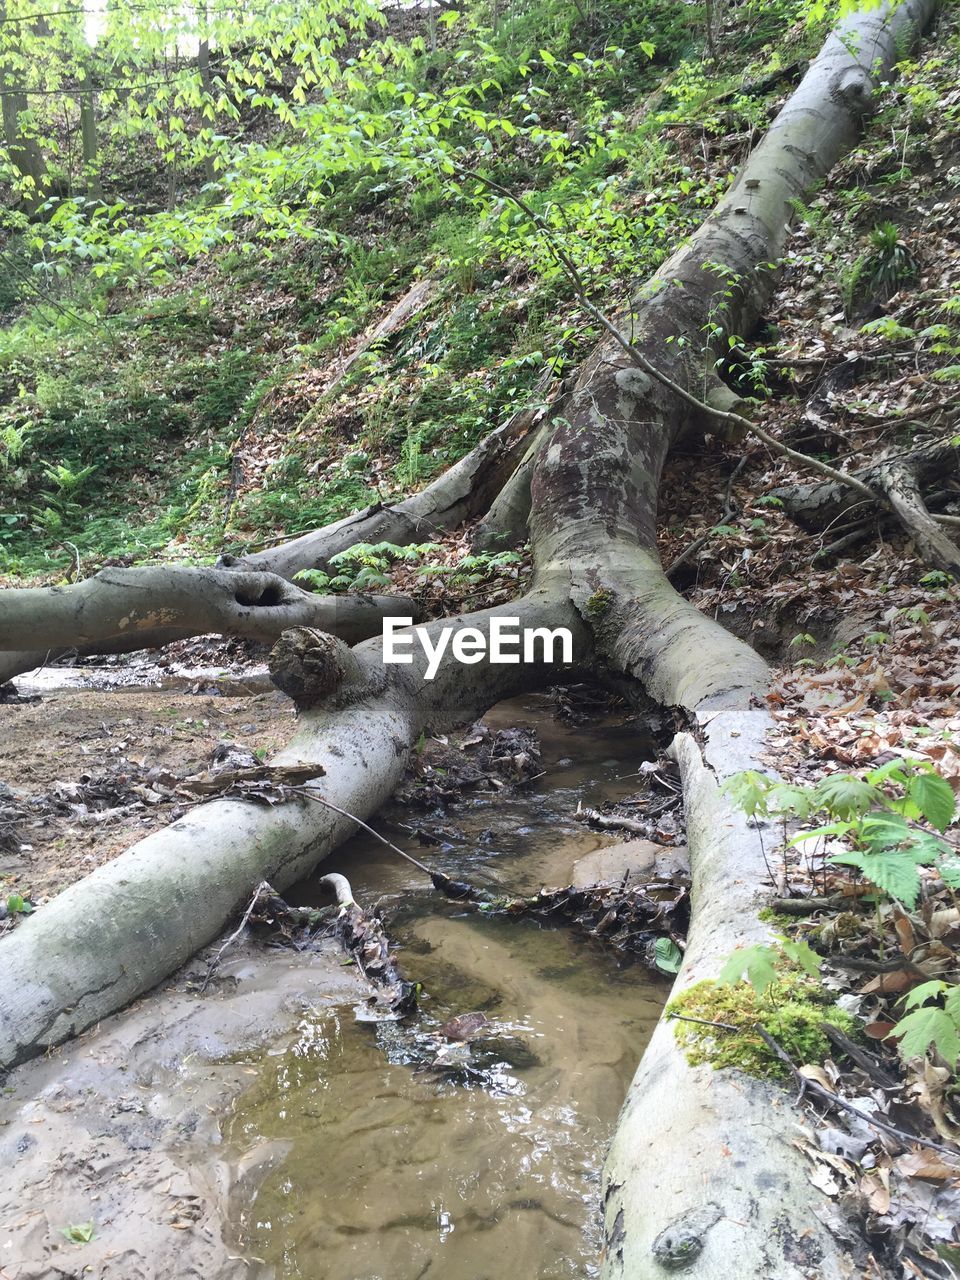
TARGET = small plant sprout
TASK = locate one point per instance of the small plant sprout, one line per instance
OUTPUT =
(932, 1021)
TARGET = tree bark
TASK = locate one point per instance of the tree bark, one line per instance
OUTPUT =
(898, 481)
(594, 494)
(125, 927)
(702, 1174)
(88, 137)
(902, 491)
(120, 610)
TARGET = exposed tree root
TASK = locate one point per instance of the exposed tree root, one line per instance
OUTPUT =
(702, 1173)
(895, 485)
(120, 610)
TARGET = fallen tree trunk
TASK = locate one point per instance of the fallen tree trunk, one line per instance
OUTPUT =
(125, 927)
(725, 1191)
(594, 493)
(120, 610)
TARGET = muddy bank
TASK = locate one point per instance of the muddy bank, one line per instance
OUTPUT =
(119, 1133)
(345, 1153)
(76, 764)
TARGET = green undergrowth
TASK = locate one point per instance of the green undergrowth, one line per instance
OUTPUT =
(792, 1009)
(174, 415)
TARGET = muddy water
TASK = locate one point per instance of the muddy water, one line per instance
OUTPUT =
(394, 1172)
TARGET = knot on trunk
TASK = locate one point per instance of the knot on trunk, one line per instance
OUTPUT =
(308, 665)
(680, 1244)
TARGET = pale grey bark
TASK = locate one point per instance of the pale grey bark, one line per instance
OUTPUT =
(121, 930)
(121, 610)
(673, 1199)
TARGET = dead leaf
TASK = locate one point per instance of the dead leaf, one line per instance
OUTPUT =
(925, 1164)
(890, 983)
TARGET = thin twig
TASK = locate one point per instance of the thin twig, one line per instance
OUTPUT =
(703, 1022)
(312, 795)
(215, 962)
(826, 1095)
(834, 1100)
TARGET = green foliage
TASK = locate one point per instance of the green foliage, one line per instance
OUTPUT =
(599, 602)
(667, 956)
(79, 1233)
(312, 121)
(933, 1023)
(367, 565)
(759, 964)
(756, 965)
(781, 994)
(879, 272)
(18, 905)
(875, 815)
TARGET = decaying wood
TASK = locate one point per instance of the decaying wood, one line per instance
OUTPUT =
(309, 665)
(416, 299)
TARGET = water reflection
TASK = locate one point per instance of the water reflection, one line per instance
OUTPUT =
(396, 1174)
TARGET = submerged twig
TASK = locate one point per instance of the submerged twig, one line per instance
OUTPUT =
(454, 888)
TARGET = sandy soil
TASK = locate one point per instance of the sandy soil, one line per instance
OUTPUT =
(78, 763)
(119, 1131)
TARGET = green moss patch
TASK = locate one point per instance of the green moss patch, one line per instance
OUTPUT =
(792, 1010)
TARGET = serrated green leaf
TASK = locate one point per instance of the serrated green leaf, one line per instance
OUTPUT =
(803, 954)
(934, 797)
(931, 990)
(667, 955)
(846, 796)
(929, 1026)
(832, 829)
(782, 798)
(882, 831)
(755, 964)
(893, 872)
(748, 791)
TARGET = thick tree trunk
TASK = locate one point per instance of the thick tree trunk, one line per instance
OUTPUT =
(88, 138)
(22, 148)
(702, 1174)
(124, 928)
(120, 610)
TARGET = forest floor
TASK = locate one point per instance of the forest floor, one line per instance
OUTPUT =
(88, 751)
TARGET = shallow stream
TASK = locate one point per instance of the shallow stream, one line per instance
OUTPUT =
(393, 1172)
